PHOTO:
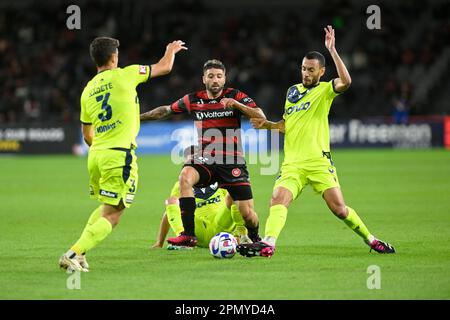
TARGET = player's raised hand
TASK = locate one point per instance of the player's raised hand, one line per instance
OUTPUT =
(258, 123)
(228, 102)
(329, 37)
(176, 46)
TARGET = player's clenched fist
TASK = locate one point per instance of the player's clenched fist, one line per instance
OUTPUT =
(228, 102)
(176, 46)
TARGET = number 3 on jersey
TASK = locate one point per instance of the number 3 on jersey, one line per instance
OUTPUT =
(104, 116)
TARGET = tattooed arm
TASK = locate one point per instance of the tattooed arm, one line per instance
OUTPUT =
(159, 113)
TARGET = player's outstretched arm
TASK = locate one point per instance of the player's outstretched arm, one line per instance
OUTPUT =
(159, 113)
(258, 123)
(163, 230)
(164, 66)
(247, 111)
(343, 82)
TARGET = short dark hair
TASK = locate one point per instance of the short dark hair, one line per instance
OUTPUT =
(316, 55)
(102, 48)
(213, 63)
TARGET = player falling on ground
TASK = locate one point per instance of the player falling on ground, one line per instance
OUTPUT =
(215, 212)
(110, 124)
(307, 151)
(217, 113)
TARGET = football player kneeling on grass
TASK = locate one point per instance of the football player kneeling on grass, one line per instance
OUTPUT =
(215, 213)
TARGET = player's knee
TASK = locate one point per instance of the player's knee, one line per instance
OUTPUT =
(185, 179)
(280, 199)
(275, 201)
(113, 218)
(281, 196)
(112, 213)
(172, 200)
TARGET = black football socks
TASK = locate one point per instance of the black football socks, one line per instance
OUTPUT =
(187, 207)
(253, 233)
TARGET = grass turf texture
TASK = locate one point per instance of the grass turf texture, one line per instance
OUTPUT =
(403, 196)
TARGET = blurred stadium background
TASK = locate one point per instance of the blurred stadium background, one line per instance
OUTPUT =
(399, 101)
(400, 72)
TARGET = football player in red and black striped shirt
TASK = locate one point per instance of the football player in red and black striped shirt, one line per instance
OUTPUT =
(217, 113)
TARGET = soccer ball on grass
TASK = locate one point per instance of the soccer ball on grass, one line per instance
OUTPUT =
(223, 245)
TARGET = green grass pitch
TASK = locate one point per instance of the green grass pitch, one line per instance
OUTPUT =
(403, 197)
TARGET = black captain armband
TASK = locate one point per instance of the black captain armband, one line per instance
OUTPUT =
(334, 88)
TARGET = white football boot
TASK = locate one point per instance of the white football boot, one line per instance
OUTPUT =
(71, 265)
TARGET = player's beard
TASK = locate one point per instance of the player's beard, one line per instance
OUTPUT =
(310, 84)
(214, 90)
